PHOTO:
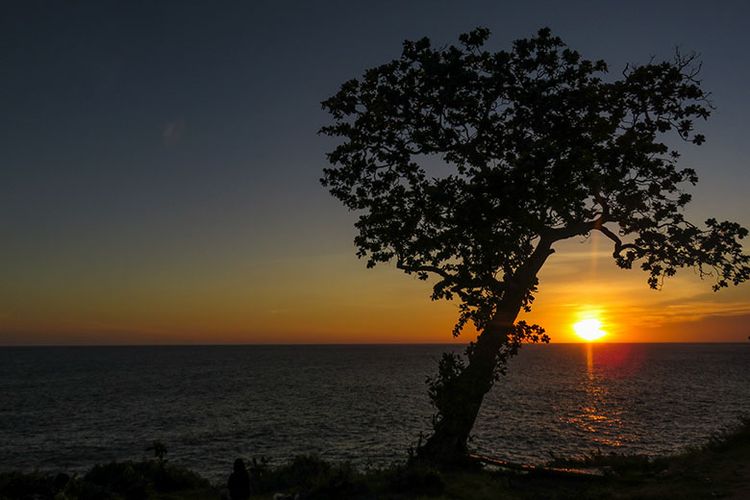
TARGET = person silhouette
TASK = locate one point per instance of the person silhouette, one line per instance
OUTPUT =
(239, 482)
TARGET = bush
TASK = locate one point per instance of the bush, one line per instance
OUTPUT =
(417, 479)
(122, 478)
(136, 480)
(310, 476)
(18, 485)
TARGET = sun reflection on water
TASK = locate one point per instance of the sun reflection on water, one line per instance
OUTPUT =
(599, 414)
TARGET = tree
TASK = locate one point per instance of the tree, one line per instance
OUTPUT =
(540, 147)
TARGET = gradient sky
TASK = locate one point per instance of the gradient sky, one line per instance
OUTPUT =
(159, 170)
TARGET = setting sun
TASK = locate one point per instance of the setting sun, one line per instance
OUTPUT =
(589, 329)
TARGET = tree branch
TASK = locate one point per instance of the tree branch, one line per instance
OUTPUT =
(581, 228)
(424, 269)
(619, 245)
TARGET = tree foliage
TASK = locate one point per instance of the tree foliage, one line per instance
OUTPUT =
(460, 161)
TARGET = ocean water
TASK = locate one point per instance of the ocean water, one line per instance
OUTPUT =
(67, 408)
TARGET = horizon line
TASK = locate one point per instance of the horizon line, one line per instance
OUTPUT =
(352, 344)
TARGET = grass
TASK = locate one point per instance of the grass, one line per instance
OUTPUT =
(718, 469)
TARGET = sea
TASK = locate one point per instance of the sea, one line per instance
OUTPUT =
(67, 408)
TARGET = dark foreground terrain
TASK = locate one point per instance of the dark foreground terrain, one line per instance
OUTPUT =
(719, 469)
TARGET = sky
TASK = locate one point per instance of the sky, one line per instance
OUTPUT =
(160, 165)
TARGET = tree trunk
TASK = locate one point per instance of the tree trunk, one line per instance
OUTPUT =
(448, 443)
(462, 395)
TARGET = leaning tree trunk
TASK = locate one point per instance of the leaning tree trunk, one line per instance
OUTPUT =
(461, 395)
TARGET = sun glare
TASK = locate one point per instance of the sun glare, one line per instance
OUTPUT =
(589, 329)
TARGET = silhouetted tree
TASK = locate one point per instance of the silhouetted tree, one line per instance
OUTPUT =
(469, 165)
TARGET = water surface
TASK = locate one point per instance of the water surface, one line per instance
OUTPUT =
(71, 407)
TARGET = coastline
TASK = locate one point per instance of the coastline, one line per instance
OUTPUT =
(719, 468)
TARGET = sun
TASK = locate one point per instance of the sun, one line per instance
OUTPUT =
(589, 329)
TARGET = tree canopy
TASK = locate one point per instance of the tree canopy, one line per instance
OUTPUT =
(460, 162)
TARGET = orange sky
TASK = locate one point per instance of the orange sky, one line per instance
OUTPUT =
(333, 298)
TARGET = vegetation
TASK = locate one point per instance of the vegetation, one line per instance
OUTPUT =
(468, 166)
(719, 468)
(113, 481)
